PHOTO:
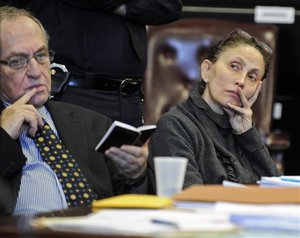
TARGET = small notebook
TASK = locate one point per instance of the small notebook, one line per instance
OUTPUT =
(121, 133)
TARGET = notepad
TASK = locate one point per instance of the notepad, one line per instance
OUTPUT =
(133, 201)
(120, 133)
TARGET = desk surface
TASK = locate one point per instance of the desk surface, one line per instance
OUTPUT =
(19, 227)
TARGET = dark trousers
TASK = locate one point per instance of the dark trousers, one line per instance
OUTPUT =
(110, 103)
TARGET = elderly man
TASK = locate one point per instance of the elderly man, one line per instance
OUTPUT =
(47, 149)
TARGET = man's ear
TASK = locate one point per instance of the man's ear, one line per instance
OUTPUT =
(205, 68)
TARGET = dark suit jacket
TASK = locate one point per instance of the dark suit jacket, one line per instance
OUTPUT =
(80, 130)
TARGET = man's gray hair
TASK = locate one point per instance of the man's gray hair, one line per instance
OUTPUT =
(8, 12)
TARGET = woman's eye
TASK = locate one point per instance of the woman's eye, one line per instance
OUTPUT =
(235, 66)
(252, 77)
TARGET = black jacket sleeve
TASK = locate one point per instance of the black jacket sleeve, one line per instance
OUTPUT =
(153, 12)
(11, 163)
(145, 12)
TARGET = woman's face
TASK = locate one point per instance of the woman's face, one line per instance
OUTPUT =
(239, 67)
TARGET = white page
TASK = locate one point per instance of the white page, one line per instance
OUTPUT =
(278, 182)
(259, 209)
(141, 222)
(274, 217)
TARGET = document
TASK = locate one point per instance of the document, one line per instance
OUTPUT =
(140, 222)
(121, 133)
(219, 209)
(227, 183)
(275, 217)
(282, 181)
(251, 207)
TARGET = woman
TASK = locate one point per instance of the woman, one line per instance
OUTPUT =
(214, 127)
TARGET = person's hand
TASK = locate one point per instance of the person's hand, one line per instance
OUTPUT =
(241, 117)
(19, 116)
(130, 160)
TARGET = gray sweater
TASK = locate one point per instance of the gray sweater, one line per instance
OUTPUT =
(194, 131)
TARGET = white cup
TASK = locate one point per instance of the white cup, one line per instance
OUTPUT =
(169, 174)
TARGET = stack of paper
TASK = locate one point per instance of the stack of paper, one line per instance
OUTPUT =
(282, 181)
(226, 208)
(251, 207)
(279, 217)
(140, 222)
(138, 214)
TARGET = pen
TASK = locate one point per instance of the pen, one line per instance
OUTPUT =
(165, 222)
(290, 178)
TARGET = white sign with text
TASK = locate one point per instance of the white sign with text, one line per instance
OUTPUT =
(274, 14)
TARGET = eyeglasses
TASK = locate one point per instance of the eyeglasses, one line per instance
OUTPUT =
(238, 32)
(21, 62)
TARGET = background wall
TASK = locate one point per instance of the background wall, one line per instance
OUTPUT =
(288, 65)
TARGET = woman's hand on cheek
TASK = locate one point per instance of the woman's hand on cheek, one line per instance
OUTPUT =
(241, 117)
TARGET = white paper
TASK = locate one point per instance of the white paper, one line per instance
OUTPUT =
(140, 222)
(283, 210)
(275, 217)
(283, 181)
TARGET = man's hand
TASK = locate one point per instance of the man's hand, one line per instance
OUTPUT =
(130, 160)
(19, 115)
(241, 117)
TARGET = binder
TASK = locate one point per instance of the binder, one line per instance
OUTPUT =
(250, 194)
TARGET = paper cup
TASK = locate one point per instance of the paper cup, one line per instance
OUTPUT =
(169, 174)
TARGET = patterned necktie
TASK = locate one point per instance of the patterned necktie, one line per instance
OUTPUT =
(76, 188)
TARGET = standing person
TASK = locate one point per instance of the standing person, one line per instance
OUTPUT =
(103, 44)
(213, 128)
(47, 149)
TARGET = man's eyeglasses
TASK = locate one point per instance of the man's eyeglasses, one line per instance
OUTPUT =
(21, 62)
(238, 32)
